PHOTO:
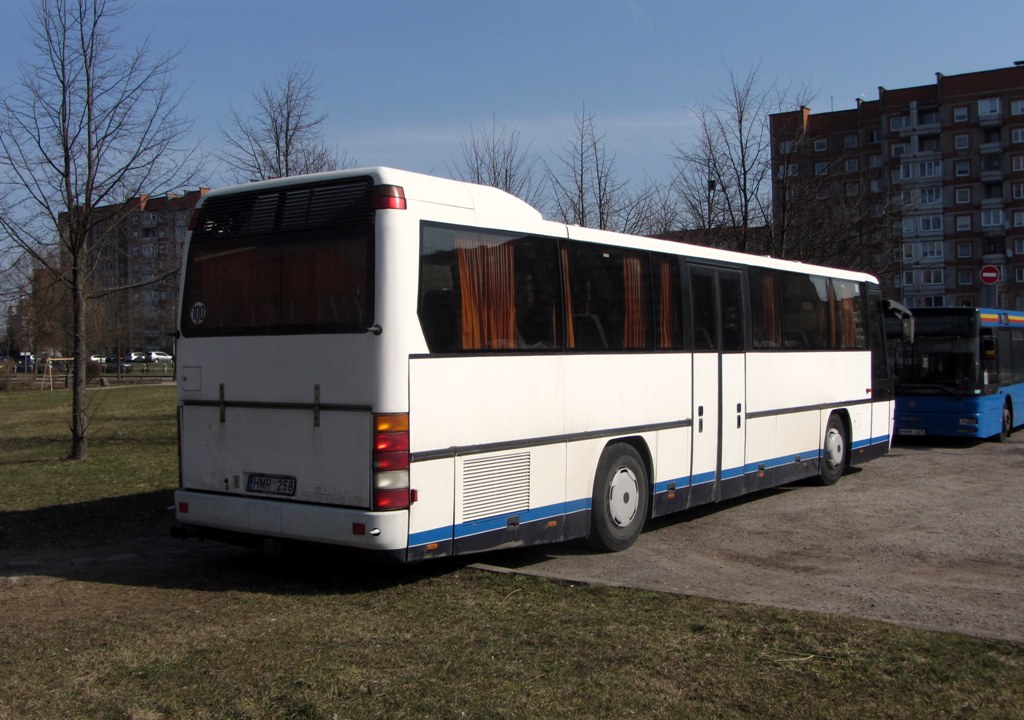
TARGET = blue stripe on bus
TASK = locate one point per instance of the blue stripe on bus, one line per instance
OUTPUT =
(498, 522)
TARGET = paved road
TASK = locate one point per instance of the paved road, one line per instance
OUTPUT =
(932, 535)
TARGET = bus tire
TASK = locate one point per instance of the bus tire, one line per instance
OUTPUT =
(620, 500)
(833, 451)
(1006, 423)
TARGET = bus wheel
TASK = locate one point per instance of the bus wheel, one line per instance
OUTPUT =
(620, 499)
(833, 452)
(1006, 427)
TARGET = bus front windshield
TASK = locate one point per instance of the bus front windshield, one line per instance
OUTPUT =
(940, 365)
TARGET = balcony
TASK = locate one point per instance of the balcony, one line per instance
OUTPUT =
(991, 176)
(990, 147)
(990, 120)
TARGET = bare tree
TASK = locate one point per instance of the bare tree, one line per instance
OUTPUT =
(498, 158)
(724, 178)
(586, 189)
(85, 126)
(283, 133)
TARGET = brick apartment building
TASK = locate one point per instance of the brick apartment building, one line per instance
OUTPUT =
(141, 252)
(946, 161)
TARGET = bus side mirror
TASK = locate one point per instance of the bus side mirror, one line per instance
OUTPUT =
(908, 330)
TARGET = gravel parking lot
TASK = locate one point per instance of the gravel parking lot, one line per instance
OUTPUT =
(931, 535)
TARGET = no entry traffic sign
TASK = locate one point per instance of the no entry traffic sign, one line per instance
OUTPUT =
(989, 274)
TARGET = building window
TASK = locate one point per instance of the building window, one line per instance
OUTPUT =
(1018, 274)
(788, 170)
(1017, 135)
(875, 162)
(876, 136)
(897, 149)
(929, 117)
(987, 107)
(963, 195)
(908, 251)
(852, 165)
(908, 226)
(991, 218)
(931, 196)
(1018, 191)
(960, 113)
(963, 168)
(932, 276)
(852, 188)
(820, 144)
(964, 277)
(786, 147)
(963, 222)
(1017, 107)
(1018, 247)
(931, 223)
(906, 171)
(930, 168)
(821, 168)
(898, 122)
(850, 141)
(876, 186)
(1018, 219)
(908, 277)
(963, 249)
(932, 249)
(933, 301)
(1018, 163)
(961, 142)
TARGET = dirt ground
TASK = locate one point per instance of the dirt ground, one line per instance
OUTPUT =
(931, 535)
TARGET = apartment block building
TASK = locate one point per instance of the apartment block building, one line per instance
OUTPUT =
(138, 251)
(944, 163)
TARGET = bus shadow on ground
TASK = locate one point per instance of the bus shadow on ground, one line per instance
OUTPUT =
(126, 541)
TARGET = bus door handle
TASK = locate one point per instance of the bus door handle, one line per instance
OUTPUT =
(700, 420)
(739, 415)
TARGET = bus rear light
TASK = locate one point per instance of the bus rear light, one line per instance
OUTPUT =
(388, 461)
(182, 508)
(388, 197)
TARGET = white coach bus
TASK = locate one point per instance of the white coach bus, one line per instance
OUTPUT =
(421, 367)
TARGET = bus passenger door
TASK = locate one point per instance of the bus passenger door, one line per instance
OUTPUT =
(719, 379)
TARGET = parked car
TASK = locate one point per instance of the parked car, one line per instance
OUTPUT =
(137, 357)
(157, 356)
(97, 358)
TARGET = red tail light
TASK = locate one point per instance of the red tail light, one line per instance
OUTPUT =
(391, 462)
(388, 197)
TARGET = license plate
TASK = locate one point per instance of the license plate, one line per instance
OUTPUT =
(271, 484)
(911, 431)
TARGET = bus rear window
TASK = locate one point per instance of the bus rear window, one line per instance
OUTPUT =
(284, 283)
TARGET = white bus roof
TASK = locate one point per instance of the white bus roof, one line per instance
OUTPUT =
(489, 202)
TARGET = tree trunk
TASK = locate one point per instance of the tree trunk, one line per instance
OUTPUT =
(79, 447)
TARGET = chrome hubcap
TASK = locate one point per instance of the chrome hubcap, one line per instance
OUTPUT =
(623, 497)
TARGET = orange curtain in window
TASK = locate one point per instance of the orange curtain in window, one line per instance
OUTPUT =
(666, 323)
(634, 330)
(487, 273)
(570, 327)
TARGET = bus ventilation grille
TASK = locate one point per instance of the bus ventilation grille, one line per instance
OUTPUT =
(495, 486)
(286, 209)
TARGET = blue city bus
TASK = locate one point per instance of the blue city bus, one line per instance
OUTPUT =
(962, 375)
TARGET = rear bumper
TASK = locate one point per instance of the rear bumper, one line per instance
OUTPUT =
(348, 527)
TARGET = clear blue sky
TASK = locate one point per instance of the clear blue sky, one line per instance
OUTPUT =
(403, 81)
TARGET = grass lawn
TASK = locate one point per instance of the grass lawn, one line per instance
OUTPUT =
(191, 630)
